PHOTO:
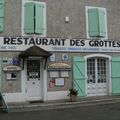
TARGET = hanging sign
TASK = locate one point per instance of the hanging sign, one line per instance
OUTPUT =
(59, 44)
(59, 65)
(11, 68)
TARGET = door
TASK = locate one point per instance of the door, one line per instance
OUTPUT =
(34, 81)
(116, 75)
(79, 75)
(96, 72)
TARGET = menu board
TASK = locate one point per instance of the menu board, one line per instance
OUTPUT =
(64, 74)
(54, 74)
(59, 82)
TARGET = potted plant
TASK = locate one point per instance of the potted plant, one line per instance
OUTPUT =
(73, 94)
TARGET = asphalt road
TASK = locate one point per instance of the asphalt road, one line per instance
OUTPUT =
(90, 112)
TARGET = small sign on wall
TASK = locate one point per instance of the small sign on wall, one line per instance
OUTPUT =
(64, 74)
(10, 61)
(11, 76)
(53, 57)
(65, 57)
(54, 74)
(59, 81)
(11, 68)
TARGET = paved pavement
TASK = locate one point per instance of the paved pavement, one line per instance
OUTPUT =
(89, 112)
(34, 106)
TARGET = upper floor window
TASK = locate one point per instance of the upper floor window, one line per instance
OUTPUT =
(35, 18)
(96, 22)
(1, 15)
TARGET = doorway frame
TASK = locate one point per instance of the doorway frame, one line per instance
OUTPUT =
(40, 97)
(109, 84)
(44, 80)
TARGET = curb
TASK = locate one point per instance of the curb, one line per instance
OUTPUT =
(60, 105)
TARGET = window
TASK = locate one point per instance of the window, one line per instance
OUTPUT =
(34, 18)
(96, 22)
(1, 15)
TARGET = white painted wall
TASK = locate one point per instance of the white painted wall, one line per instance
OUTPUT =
(14, 97)
(57, 95)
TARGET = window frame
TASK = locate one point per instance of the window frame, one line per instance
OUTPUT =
(87, 22)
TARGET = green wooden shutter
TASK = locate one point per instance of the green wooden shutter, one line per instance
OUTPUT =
(1, 15)
(102, 31)
(79, 75)
(29, 18)
(116, 75)
(96, 21)
(93, 22)
(39, 18)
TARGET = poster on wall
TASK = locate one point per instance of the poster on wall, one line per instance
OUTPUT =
(11, 76)
(64, 74)
(54, 74)
(59, 82)
(51, 83)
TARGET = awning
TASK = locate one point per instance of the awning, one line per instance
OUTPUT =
(59, 66)
(34, 51)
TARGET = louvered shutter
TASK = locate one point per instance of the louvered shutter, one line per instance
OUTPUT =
(39, 18)
(93, 21)
(102, 31)
(79, 75)
(29, 18)
(96, 21)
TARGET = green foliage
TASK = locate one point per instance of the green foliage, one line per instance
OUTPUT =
(72, 92)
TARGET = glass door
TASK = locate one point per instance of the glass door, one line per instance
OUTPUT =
(96, 72)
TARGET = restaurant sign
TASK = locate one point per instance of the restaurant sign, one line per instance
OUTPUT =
(59, 44)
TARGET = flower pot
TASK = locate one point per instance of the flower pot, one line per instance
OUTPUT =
(73, 98)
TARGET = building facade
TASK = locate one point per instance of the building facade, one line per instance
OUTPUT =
(49, 46)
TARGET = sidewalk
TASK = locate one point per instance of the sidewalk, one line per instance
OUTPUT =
(27, 106)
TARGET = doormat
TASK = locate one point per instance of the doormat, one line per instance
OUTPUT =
(36, 101)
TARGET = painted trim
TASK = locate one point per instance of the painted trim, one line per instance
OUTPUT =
(110, 79)
(87, 25)
(97, 55)
(109, 66)
(44, 85)
(1, 74)
(23, 80)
